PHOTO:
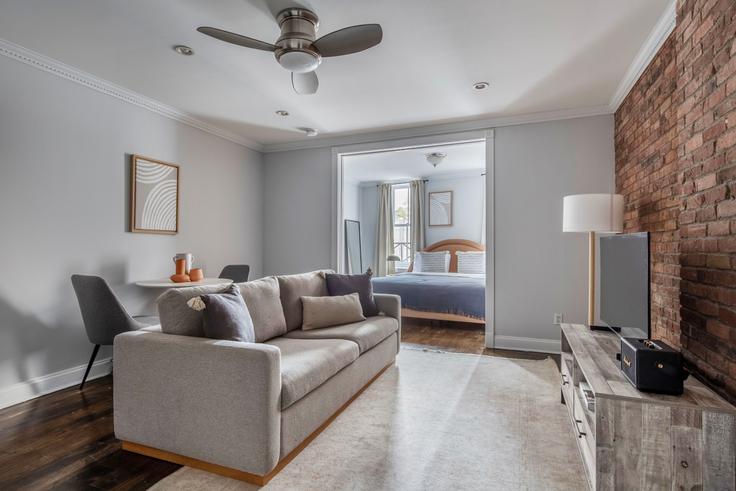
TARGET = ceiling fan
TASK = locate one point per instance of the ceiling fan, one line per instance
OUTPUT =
(298, 49)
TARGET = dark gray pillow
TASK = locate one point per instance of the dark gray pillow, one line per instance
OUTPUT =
(345, 284)
(226, 316)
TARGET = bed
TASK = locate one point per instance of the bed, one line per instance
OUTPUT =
(440, 296)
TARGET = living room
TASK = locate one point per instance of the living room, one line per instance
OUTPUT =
(134, 132)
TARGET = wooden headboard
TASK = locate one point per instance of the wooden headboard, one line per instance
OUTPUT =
(452, 245)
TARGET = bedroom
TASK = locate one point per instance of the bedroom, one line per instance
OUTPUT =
(415, 218)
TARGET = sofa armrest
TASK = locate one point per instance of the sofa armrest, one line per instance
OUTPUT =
(391, 306)
(216, 401)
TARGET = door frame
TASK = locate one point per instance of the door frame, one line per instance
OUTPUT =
(337, 242)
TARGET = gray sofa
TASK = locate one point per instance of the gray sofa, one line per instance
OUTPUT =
(243, 409)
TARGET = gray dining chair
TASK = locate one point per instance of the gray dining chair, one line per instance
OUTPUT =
(103, 315)
(237, 272)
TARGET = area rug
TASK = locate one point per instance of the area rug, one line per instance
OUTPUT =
(436, 421)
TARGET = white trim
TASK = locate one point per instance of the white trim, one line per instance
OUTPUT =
(49, 65)
(654, 42)
(45, 384)
(490, 211)
(438, 129)
(528, 344)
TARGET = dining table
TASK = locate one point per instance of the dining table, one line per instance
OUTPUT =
(167, 283)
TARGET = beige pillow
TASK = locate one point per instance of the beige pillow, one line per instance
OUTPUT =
(295, 286)
(262, 298)
(331, 311)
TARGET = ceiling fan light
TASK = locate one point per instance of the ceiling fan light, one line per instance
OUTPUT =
(299, 61)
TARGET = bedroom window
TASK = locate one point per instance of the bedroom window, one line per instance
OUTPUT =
(402, 226)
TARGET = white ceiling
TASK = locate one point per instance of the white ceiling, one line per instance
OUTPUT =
(538, 55)
(412, 163)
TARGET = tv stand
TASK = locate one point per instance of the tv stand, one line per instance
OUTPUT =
(637, 440)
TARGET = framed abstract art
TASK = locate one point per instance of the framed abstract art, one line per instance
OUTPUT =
(154, 196)
(440, 209)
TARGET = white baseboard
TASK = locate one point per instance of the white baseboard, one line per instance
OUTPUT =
(45, 384)
(527, 344)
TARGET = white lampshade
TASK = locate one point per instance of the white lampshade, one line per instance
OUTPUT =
(593, 213)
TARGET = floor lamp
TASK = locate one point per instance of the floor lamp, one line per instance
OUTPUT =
(591, 213)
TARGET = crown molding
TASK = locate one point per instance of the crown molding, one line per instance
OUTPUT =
(665, 25)
(55, 67)
(438, 129)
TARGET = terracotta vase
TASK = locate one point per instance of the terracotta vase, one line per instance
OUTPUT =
(179, 278)
(181, 266)
(196, 274)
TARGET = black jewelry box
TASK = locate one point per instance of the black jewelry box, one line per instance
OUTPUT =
(652, 366)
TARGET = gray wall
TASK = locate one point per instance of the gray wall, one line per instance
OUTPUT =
(64, 207)
(539, 269)
(298, 211)
(467, 207)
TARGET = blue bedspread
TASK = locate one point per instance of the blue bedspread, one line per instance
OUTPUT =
(449, 294)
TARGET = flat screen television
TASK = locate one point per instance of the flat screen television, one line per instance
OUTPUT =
(624, 284)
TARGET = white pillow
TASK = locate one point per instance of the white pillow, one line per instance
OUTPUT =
(432, 262)
(471, 262)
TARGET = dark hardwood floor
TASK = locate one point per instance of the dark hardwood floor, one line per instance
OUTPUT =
(65, 440)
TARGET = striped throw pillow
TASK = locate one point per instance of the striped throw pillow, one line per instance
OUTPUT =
(471, 262)
(432, 262)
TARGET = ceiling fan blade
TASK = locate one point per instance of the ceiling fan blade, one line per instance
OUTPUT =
(349, 40)
(304, 83)
(232, 38)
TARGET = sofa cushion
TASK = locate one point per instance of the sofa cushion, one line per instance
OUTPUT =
(176, 316)
(331, 311)
(264, 304)
(344, 284)
(294, 287)
(308, 363)
(366, 334)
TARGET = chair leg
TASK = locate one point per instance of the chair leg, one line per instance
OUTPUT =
(89, 365)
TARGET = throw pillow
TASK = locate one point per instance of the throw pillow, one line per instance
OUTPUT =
(331, 311)
(432, 262)
(225, 315)
(471, 262)
(344, 284)
(264, 304)
(176, 317)
(294, 287)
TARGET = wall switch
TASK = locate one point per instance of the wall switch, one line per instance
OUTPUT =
(557, 319)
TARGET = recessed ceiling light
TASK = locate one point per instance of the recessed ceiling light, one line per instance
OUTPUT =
(310, 131)
(480, 85)
(283, 113)
(183, 50)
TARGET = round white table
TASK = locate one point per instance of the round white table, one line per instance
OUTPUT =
(167, 283)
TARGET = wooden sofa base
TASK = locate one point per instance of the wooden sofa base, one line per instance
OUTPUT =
(439, 316)
(235, 473)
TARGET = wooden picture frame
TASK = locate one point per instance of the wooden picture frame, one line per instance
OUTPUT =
(440, 209)
(154, 196)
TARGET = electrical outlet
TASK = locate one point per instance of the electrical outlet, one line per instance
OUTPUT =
(557, 319)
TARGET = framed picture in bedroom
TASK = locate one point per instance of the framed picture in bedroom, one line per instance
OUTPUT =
(154, 196)
(440, 209)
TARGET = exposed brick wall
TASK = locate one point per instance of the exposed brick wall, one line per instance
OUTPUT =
(676, 166)
(647, 175)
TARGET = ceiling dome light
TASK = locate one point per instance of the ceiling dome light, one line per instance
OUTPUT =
(183, 50)
(435, 158)
(480, 85)
(299, 61)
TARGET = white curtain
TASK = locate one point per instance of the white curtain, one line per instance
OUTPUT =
(417, 207)
(385, 232)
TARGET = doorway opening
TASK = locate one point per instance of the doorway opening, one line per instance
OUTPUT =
(416, 214)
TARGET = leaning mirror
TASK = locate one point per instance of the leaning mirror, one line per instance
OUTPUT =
(353, 255)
